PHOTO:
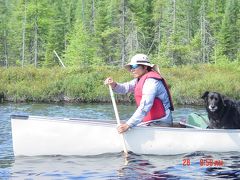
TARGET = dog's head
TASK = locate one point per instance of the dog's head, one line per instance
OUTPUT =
(214, 101)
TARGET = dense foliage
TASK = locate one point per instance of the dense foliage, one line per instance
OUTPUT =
(89, 32)
(187, 83)
(94, 38)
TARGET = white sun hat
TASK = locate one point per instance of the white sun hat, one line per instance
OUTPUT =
(141, 59)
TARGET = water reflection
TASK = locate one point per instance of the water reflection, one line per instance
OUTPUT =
(141, 167)
(5, 167)
(6, 162)
(230, 169)
(172, 167)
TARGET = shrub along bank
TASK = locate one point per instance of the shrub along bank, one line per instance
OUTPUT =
(187, 83)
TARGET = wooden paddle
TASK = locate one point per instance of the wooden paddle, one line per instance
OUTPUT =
(118, 119)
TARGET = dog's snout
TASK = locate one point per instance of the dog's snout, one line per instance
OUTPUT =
(212, 106)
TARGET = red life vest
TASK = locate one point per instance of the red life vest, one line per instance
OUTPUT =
(157, 111)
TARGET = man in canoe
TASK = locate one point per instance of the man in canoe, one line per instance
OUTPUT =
(152, 96)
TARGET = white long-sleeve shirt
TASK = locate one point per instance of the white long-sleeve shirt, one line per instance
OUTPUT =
(152, 88)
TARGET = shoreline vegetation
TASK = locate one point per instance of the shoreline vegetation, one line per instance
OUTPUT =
(196, 44)
(79, 85)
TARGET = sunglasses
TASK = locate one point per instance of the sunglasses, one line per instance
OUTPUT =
(134, 66)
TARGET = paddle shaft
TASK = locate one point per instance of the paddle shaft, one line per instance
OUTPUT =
(117, 118)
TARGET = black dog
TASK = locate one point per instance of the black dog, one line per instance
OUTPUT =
(222, 112)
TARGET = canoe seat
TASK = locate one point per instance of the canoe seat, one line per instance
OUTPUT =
(195, 120)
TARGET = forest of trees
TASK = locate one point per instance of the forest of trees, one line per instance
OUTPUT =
(108, 32)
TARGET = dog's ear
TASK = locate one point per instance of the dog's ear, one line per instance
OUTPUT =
(205, 95)
(222, 98)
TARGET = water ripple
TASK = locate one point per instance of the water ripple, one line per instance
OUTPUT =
(105, 166)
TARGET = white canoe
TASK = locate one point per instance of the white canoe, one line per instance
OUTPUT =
(36, 135)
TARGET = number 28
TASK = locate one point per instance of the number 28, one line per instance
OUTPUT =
(186, 162)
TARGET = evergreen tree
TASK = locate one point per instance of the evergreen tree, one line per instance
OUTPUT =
(80, 51)
(14, 36)
(62, 19)
(172, 32)
(5, 8)
(230, 32)
(108, 37)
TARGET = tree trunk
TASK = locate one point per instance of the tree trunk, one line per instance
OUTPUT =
(5, 48)
(83, 16)
(92, 17)
(123, 37)
(23, 32)
(159, 33)
(173, 30)
(35, 43)
(189, 22)
(174, 16)
(203, 32)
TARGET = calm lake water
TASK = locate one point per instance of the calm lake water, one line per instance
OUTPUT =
(106, 166)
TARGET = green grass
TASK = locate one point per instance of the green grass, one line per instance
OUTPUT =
(187, 83)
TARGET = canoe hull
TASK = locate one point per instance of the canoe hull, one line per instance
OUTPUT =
(58, 136)
(49, 137)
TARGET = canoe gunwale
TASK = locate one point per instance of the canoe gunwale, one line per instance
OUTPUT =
(99, 122)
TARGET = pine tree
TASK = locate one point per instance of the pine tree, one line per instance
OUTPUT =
(5, 10)
(80, 51)
(230, 32)
(61, 22)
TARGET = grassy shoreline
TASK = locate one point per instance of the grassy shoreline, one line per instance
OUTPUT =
(78, 85)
